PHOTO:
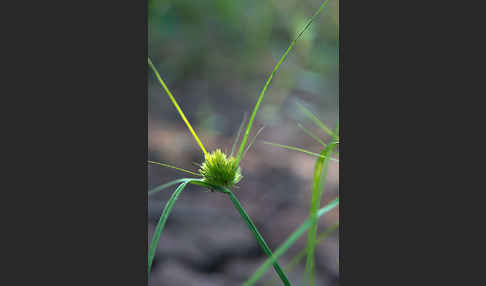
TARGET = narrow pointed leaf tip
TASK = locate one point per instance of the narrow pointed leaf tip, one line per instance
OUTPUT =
(316, 120)
(267, 84)
(174, 167)
(176, 105)
(238, 134)
(300, 150)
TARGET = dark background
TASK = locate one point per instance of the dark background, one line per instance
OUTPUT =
(215, 57)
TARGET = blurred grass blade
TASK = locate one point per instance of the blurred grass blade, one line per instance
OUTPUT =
(174, 102)
(252, 141)
(262, 93)
(160, 225)
(297, 258)
(238, 134)
(288, 243)
(300, 150)
(323, 235)
(311, 135)
(320, 172)
(174, 167)
(316, 120)
(257, 235)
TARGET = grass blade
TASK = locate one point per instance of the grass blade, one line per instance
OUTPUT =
(262, 93)
(300, 150)
(160, 225)
(253, 141)
(238, 135)
(316, 120)
(174, 102)
(311, 135)
(174, 167)
(194, 181)
(288, 243)
(323, 235)
(320, 172)
(297, 258)
(257, 235)
(165, 186)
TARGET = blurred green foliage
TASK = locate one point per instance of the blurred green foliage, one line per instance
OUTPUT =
(233, 45)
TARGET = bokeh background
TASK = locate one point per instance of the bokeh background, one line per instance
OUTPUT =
(215, 56)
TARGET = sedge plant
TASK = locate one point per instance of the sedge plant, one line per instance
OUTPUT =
(303, 253)
(319, 179)
(289, 242)
(320, 172)
(220, 172)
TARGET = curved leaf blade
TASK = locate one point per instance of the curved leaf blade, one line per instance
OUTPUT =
(161, 224)
(267, 84)
(287, 244)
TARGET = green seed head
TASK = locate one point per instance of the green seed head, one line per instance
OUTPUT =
(220, 170)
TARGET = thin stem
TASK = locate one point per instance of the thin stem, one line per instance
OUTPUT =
(257, 235)
(300, 150)
(174, 102)
(253, 141)
(311, 135)
(238, 134)
(316, 120)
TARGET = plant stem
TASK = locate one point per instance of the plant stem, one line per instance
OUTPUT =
(258, 236)
(320, 172)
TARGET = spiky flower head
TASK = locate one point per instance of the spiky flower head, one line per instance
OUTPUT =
(220, 170)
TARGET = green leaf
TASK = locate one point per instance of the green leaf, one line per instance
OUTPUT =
(316, 120)
(176, 105)
(297, 258)
(174, 167)
(311, 135)
(253, 140)
(238, 135)
(267, 84)
(160, 225)
(193, 181)
(165, 186)
(288, 243)
(300, 150)
(320, 172)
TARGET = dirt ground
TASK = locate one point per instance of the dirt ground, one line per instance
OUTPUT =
(205, 241)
